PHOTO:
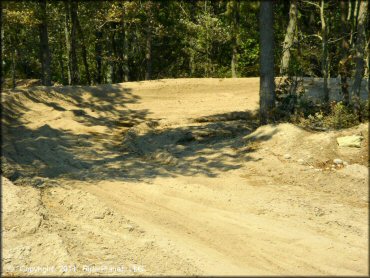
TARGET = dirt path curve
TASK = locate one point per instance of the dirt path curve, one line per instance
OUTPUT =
(172, 177)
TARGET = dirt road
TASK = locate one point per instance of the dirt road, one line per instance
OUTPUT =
(174, 177)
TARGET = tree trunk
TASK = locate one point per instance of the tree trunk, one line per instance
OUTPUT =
(125, 67)
(14, 54)
(84, 52)
(289, 38)
(267, 82)
(2, 46)
(354, 22)
(366, 73)
(98, 56)
(324, 58)
(148, 52)
(44, 46)
(235, 41)
(68, 40)
(349, 14)
(61, 64)
(344, 65)
(75, 79)
(108, 61)
(368, 68)
(360, 48)
(114, 55)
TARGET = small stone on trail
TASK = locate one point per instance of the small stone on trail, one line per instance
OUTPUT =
(287, 156)
(337, 161)
(300, 161)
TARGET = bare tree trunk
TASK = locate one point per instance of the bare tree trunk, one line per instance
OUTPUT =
(235, 25)
(366, 73)
(360, 48)
(368, 68)
(74, 64)
(344, 62)
(61, 64)
(68, 41)
(2, 45)
(289, 38)
(349, 14)
(125, 66)
(354, 21)
(84, 52)
(148, 52)
(44, 45)
(324, 58)
(113, 62)
(267, 82)
(14, 54)
(98, 56)
(109, 60)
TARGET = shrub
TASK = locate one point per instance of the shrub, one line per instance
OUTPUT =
(340, 116)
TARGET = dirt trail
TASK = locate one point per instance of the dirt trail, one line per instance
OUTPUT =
(173, 177)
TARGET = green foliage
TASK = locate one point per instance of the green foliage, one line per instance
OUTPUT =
(338, 117)
(189, 38)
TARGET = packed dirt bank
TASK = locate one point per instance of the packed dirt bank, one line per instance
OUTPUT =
(174, 177)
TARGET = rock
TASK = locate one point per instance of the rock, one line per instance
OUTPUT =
(300, 161)
(287, 156)
(337, 161)
(350, 141)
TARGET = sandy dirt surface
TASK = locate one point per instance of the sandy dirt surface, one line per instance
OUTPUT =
(174, 177)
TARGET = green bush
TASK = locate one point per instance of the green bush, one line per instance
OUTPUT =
(307, 113)
(340, 116)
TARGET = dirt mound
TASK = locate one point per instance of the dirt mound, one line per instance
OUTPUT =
(308, 147)
(60, 231)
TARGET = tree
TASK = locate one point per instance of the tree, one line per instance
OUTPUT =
(125, 66)
(71, 40)
(289, 38)
(233, 11)
(360, 47)
(44, 45)
(267, 81)
(148, 39)
(344, 64)
(324, 56)
(68, 40)
(75, 78)
(98, 56)
(84, 51)
(1, 45)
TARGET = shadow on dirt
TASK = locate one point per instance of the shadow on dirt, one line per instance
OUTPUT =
(206, 146)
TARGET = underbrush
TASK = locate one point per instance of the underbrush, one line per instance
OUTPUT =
(339, 116)
(308, 114)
